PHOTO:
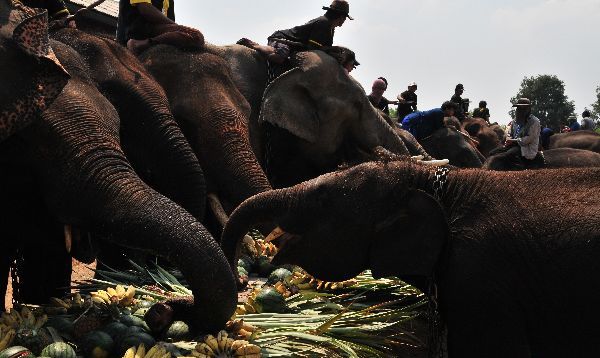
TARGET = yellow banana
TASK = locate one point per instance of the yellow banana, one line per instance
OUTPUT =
(152, 352)
(222, 340)
(201, 355)
(57, 302)
(204, 348)
(130, 293)
(41, 321)
(247, 350)
(212, 342)
(111, 291)
(7, 339)
(140, 352)
(120, 291)
(9, 319)
(130, 353)
(238, 344)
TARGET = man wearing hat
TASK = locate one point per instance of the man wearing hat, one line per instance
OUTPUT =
(315, 34)
(457, 99)
(587, 123)
(407, 101)
(525, 131)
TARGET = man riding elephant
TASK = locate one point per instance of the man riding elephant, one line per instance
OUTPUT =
(525, 136)
(144, 23)
(423, 124)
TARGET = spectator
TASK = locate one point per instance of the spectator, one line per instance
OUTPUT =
(574, 125)
(482, 111)
(423, 124)
(457, 99)
(587, 123)
(545, 137)
(407, 101)
(526, 134)
(315, 34)
(144, 23)
(376, 97)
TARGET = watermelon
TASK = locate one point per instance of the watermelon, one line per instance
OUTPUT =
(265, 267)
(115, 330)
(97, 344)
(61, 324)
(279, 275)
(270, 301)
(59, 350)
(178, 331)
(130, 320)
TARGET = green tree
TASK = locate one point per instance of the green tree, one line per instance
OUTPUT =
(549, 102)
(596, 105)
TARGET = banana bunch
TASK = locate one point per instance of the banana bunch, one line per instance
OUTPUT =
(73, 303)
(115, 296)
(25, 319)
(248, 307)
(223, 346)
(305, 281)
(285, 290)
(140, 352)
(265, 248)
(7, 336)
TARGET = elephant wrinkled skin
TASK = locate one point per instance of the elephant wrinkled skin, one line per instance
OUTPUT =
(498, 243)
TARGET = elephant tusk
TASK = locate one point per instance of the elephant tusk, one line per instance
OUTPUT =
(67, 229)
(217, 209)
(276, 233)
(417, 157)
(436, 163)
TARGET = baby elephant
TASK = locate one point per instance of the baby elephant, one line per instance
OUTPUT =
(514, 254)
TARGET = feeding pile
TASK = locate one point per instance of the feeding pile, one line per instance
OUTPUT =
(285, 313)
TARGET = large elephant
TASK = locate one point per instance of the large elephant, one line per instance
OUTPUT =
(72, 159)
(514, 255)
(588, 140)
(449, 143)
(552, 159)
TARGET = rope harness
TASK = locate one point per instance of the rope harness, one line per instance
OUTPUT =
(435, 336)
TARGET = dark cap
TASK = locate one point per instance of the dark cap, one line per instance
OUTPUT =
(586, 113)
(459, 86)
(340, 6)
(522, 102)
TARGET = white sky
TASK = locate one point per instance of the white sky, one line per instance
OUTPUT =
(489, 46)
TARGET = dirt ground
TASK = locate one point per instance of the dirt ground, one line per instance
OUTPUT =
(80, 272)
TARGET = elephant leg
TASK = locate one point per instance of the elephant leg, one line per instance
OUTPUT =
(46, 269)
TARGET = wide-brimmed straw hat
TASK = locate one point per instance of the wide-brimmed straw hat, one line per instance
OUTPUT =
(341, 6)
(522, 102)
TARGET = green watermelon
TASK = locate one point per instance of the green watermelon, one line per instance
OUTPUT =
(265, 267)
(115, 330)
(246, 263)
(130, 320)
(178, 331)
(59, 350)
(279, 275)
(97, 344)
(270, 301)
(61, 324)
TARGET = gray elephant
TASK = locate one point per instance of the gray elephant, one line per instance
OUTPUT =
(451, 144)
(70, 159)
(551, 159)
(514, 255)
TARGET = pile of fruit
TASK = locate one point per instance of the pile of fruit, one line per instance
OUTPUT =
(286, 312)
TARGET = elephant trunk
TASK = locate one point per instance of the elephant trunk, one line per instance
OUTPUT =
(228, 158)
(264, 207)
(374, 131)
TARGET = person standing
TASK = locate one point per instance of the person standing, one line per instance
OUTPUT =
(457, 99)
(407, 101)
(144, 23)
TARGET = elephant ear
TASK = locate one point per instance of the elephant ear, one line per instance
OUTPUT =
(409, 242)
(26, 49)
(292, 100)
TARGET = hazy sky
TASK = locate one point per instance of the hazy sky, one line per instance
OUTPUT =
(489, 46)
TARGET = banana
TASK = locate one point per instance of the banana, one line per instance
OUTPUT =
(204, 348)
(120, 291)
(130, 353)
(57, 302)
(140, 352)
(246, 350)
(41, 321)
(130, 293)
(222, 340)
(152, 352)
(16, 316)
(111, 292)
(212, 342)
(166, 355)
(201, 355)
(9, 319)
(7, 339)
(103, 295)
(98, 299)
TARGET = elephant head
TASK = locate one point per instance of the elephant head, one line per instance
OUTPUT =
(24, 94)
(487, 137)
(344, 222)
(452, 144)
(319, 103)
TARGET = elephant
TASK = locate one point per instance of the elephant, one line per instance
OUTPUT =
(449, 143)
(588, 140)
(214, 117)
(513, 254)
(73, 155)
(552, 158)
(487, 137)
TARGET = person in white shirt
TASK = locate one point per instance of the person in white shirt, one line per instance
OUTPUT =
(526, 130)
